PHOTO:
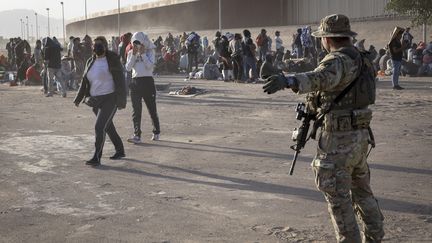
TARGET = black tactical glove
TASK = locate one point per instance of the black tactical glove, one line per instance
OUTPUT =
(277, 82)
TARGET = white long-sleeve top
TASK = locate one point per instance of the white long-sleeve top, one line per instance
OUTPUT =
(278, 42)
(141, 64)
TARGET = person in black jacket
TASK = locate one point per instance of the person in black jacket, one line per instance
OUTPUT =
(52, 58)
(103, 88)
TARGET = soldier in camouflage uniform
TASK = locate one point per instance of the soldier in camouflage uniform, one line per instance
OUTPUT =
(340, 167)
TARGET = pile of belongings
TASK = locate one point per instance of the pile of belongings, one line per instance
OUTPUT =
(188, 90)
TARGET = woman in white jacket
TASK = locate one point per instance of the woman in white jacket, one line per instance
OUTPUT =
(141, 60)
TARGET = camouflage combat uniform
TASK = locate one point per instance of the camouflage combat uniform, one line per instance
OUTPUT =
(340, 167)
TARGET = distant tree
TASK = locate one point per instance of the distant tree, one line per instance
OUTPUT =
(419, 11)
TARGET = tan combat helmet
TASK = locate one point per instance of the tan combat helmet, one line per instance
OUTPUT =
(335, 25)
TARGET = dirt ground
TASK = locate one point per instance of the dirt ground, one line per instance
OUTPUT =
(219, 173)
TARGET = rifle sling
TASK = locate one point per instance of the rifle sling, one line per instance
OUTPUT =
(341, 95)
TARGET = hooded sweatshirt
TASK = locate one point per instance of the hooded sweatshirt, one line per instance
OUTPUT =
(141, 64)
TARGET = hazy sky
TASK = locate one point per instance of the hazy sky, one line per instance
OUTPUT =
(73, 8)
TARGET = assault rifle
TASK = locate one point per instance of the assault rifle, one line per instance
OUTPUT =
(300, 135)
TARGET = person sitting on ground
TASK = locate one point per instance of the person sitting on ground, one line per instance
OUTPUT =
(33, 76)
(389, 65)
(426, 68)
(377, 59)
(211, 69)
(418, 54)
(267, 69)
(287, 55)
(410, 53)
(383, 61)
(278, 62)
(171, 61)
(372, 52)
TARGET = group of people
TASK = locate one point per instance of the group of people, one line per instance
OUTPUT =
(228, 56)
(99, 74)
(404, 57)
(46, 66)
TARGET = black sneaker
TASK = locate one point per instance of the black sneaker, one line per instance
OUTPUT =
(397, 87)
(93, 162)
(118, 155)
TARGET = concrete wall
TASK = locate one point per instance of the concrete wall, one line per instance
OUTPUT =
(203, 14)
(311, 11)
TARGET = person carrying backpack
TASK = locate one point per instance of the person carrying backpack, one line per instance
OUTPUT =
(339, 92)
(193, 46)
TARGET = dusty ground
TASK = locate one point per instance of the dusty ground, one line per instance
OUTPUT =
(219, 174)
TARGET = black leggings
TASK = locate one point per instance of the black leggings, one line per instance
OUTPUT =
(104, 125)
(238, 67)
(144, 88)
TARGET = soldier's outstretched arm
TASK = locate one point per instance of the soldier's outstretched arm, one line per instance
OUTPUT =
(326, 76)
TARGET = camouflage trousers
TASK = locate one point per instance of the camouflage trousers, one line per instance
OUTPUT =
(342, 175)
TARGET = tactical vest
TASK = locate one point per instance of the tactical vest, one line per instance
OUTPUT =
(359, 96)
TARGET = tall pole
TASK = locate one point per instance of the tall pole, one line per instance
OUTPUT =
(21, 25)
(220, 15)
(85, 21)
(118, 17)
(27, 26)
(37, 27)
(48, 22)
(64, 34)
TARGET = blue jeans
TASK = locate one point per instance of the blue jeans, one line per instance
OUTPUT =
(249, 63)
(262, 52)
(55, 74)
(396, 72)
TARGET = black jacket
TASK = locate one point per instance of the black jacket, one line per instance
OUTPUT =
(116, 70)
(52, 53)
